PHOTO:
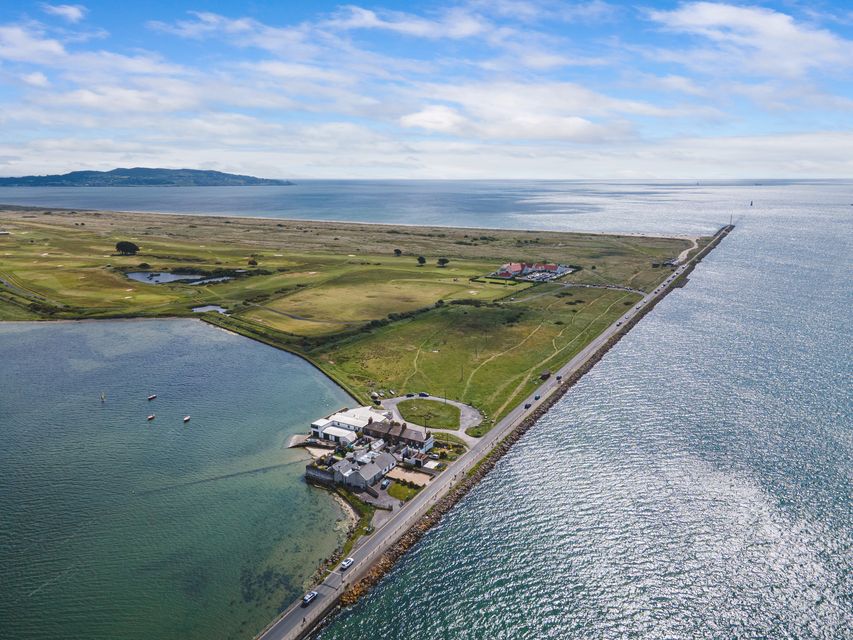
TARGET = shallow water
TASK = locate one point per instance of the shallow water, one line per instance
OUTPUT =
(115, 527)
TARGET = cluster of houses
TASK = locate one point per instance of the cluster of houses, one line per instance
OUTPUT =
(533, 272)
(375, 445)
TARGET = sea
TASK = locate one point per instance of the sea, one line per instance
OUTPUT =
(697, 483)
(113, 527)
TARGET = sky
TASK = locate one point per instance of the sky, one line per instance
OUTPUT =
(430, 90)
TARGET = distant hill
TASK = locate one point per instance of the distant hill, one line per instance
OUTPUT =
(141, 177)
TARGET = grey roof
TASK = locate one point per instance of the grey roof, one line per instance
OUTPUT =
(398, 431)
(384, 460)
(369, 471)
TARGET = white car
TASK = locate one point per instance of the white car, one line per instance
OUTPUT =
(346, 564)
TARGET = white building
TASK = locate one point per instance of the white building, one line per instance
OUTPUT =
(342, 426)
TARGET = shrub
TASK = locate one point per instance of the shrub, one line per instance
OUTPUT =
(126, 248)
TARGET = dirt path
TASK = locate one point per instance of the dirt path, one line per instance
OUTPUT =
(683, 255)
(556, 353)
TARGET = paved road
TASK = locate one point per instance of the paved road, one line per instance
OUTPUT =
(296, 620)
(468, 416)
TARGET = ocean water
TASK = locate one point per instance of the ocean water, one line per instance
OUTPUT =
(625, 206)
(698, 483)
(115, 527)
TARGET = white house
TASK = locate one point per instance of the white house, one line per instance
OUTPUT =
(342, 425)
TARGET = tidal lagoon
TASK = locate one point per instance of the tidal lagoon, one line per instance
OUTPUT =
(115, 527)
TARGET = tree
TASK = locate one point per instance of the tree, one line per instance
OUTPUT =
(398, 252)
(442, 262)
(421, 260)
(126, 248)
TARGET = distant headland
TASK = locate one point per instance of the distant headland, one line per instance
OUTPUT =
(142, 177)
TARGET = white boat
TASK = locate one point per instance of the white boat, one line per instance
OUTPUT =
(152, 396)
(103, 397)
(186, 418)
(151, 417)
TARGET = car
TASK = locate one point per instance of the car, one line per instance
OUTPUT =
(527, 405)
(308, 598)
(559, 378)
(384, 484)
(619, 324)
(410, 395)
(537, 396)
(346, 564)
(434, 456)
(423, 394)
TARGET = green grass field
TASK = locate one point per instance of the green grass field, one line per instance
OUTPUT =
(430, 413)
(337, 294)
(401, 491)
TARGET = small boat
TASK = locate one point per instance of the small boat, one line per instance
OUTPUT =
(186, 418)
(152, 396)
(151, 417)
(103, 397)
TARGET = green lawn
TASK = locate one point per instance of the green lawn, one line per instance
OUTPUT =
(430, 413)
(337, 294)
(401, 491)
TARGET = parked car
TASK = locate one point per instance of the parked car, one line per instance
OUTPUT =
(434, 456)
(559, 378)
(527, 405)
(346, 564)
(537, 396)
(410, 395)
(308, 597)
(384, 484)
(423, 394)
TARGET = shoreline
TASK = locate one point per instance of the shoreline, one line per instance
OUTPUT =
(480, 462)
(364, 578)
(420, 527)
(629, 234)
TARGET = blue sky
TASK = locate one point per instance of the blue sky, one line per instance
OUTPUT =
(469, 89)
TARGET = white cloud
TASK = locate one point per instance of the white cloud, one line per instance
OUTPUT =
(753, 40)
(491, 89)
(23, 45)
(70, 12)
(455, 23)
(438, 118)
(35, 79)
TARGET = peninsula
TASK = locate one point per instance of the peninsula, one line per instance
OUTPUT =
(142, 177)
(471, 333)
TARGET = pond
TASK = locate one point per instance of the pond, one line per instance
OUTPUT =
(164, 277)
(210, 307)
